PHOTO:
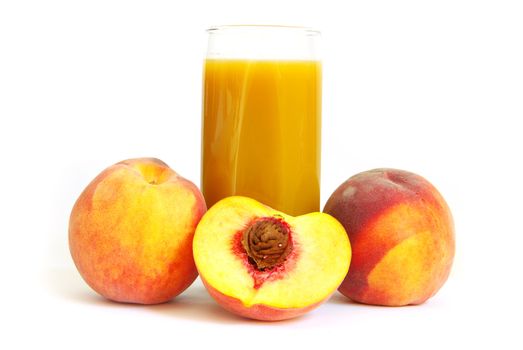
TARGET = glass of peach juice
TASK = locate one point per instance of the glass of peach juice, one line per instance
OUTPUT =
(261, 130)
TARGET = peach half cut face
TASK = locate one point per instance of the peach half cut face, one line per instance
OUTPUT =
(263, 264)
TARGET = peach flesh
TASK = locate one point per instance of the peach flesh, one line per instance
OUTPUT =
(297, 280)
(258, 312)
(261, 275)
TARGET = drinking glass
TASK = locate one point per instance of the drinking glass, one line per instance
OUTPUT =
(261, 133)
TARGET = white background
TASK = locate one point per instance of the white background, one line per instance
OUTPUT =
(434, 87)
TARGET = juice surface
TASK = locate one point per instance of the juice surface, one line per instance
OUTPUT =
(261, 132)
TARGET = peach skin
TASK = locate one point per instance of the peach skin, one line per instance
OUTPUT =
(131, 231)
(402, 237)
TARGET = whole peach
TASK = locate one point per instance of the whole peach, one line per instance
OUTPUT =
(131, 231)
(402, 236)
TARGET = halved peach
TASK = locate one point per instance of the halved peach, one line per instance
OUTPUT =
(263, 264)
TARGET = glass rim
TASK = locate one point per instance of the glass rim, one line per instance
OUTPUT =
(287, 28)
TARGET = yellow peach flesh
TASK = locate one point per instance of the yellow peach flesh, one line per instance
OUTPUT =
(321, 256)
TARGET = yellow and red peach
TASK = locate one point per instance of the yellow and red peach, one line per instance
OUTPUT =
(131, 231)
(263, 264)
(402, 236)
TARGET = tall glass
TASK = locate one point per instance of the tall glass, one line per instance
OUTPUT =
(261, 133)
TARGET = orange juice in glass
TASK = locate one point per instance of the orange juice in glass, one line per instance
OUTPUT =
(261, 133)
